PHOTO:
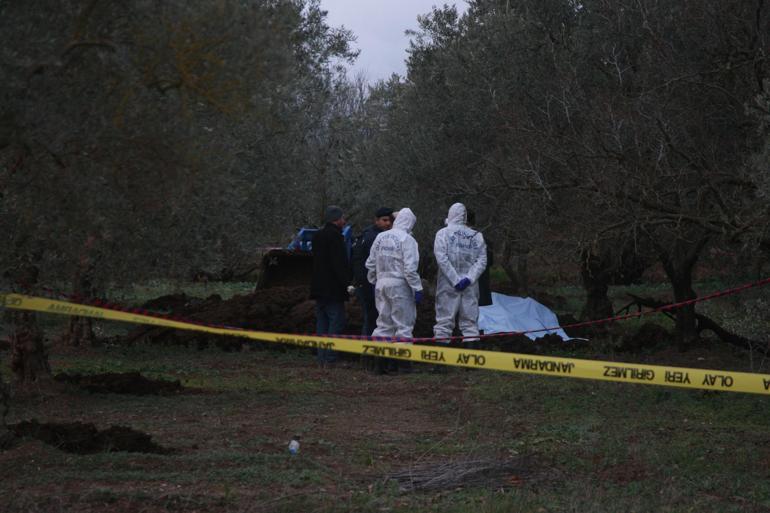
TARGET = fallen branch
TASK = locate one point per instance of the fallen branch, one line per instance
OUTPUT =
(468, 473)
(704, 323)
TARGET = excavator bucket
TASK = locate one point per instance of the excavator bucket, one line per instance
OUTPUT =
(293, 266)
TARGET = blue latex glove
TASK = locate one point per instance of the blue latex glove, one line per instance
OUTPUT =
(418, 297)
(462, 284)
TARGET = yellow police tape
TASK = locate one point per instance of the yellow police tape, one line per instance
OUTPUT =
(510, 362)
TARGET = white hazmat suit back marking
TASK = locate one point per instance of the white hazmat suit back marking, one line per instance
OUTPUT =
(392, 268)
(460, 253)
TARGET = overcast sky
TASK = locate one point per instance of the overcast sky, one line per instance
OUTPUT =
(379, 27)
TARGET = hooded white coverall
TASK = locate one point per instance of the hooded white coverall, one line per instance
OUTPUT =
(392, 269)
(460, 253)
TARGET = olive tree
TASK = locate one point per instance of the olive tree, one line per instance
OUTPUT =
(145, 139)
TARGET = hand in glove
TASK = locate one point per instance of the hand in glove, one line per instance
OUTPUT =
(418, 297)
(462, 284)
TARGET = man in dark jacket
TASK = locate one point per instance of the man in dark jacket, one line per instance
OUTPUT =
(383, 220)
(331, 275)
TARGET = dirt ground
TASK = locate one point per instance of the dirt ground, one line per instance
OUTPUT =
(349, 422)
(167, 421)
(220, 443)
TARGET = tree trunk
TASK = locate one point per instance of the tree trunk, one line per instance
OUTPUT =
(686, 327)
(523, 272)
(80, 331)
(761, 257)
(6, 436)
(518, 276)
(5, 404)
(596, 284)
(29, 358)
(679, 261)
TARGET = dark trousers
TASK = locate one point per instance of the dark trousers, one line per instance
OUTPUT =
(365, 295)
(330, 320)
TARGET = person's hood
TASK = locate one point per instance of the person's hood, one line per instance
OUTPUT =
(405, 220)
(457, 214)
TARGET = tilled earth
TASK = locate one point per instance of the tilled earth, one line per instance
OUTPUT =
(225, 447)
(278, 309)
(85, 438)
(281, 310)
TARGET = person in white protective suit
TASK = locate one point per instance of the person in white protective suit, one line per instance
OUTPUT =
(392, 269)
(461, 254)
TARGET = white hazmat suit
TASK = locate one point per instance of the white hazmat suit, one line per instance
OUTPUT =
(392, 269)
(461, 254)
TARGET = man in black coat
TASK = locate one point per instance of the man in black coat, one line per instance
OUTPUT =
(331, 276)
(383, 221)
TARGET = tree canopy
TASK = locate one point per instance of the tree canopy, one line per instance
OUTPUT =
(160, 137)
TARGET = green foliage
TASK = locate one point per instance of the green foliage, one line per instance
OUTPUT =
(577, 129)
(162, 137)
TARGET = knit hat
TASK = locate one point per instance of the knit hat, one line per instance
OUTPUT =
(333, 213)
(383, 211)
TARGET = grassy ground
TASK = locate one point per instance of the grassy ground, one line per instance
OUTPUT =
(588, 446)
(585, 446)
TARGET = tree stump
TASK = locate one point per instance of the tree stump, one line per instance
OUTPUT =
(29, 358)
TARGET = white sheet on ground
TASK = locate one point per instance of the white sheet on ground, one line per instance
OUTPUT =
(509, 313)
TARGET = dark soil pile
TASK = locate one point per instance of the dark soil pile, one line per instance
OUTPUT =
(648, 336)
(83, 438)
(547, 344)
(132, 383)
(278, 309)
(174, 302)
(287, 310)
(590, 331)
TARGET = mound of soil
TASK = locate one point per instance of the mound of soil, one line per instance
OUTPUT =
(266, 310)
(8, 439)
(132, 383)
(84, 438)
(288, 310)
(285, 310)
(578, 331)
(278, 309)
(648, 336)
(172, 302)
(546, 344)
